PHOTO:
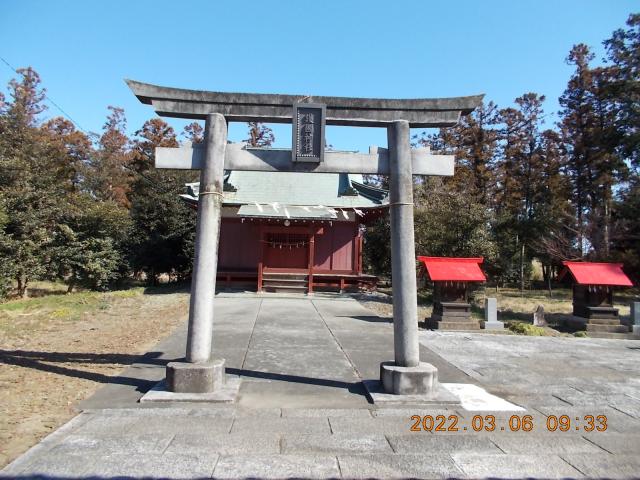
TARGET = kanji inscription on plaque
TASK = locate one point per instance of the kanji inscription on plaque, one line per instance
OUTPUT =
(308, 132)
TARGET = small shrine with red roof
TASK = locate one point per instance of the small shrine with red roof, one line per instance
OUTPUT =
(450, 277)
(593, 285)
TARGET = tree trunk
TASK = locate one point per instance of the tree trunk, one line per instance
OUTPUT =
(72, 283)
(522, 269)
(607, 223)
(22, 285)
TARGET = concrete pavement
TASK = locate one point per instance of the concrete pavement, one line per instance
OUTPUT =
(302, 411)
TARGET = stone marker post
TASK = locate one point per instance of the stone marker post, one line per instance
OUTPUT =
(635, 317)
(491, 315)
(407, 375)
(201, 374)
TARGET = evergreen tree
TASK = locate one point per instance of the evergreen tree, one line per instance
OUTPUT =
(626, 237)
(473, 141)
(588, 126)
(33, 183)
(89, 243)
(555, 239)
(163, 225)
(449, 223)
(623, 87)
(520, 190)
(622, 93)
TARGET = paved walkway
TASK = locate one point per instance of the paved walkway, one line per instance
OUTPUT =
(302, 411)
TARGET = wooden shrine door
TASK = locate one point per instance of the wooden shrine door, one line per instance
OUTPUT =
(286, 250)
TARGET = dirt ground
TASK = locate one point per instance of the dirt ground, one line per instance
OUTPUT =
(58, 349)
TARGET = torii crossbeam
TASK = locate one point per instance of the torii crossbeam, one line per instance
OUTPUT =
(406, 375)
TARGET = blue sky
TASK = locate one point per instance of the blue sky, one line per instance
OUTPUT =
(403, 49)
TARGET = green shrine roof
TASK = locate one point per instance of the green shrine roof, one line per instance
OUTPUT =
(339, 190)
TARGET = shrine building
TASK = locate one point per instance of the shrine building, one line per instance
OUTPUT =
(593, 285)
(293, 232)
(450, 277)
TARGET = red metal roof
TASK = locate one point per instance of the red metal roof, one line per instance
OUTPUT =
(588, 273)
(453, 269)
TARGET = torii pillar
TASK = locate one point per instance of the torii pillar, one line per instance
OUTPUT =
(201, 373)
(406, 375)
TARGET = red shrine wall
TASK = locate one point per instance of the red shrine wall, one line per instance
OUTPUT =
(335, 248)
(240, 245)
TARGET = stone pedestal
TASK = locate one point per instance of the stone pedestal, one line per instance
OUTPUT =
(452, 316)
(195, 382)
(635, 317)
(491, 315)
(205, 377)
(419, 380)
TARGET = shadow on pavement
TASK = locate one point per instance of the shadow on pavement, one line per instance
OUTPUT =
(90, 477)
(42, 361)
(367, 318)
(352, 387)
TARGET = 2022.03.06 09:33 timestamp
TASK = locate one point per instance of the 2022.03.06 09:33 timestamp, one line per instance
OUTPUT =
(515, 423)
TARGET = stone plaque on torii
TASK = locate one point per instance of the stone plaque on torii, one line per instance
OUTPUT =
(202, 374)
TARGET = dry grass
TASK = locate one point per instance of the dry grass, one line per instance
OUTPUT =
(58, 349)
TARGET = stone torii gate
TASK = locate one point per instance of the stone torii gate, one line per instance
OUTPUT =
(201, 373)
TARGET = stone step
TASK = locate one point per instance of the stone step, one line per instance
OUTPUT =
(295, 286)
(601, 312)
(288, 289)
(284, 276)
(468, 325)
(456, 319)
(604, 321)
(603, 316)
(283, 282)
(455, 313)
(591, 327)
(618, 336)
